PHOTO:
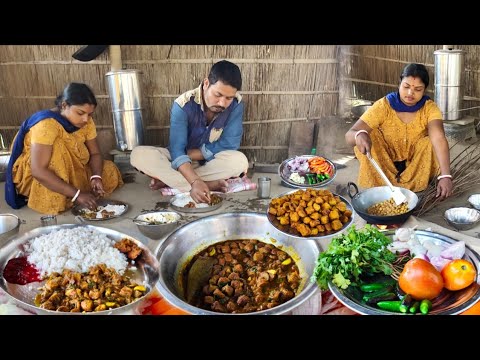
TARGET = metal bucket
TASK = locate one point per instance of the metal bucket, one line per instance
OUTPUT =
(449, 70)
(125, 96)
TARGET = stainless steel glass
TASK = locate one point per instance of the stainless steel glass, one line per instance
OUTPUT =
(48, 220)
(263, 188)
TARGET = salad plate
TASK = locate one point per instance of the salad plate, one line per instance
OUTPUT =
(302, 171)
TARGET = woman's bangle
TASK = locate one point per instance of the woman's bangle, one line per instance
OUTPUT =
(95, 177)
(359, 132)
(191, 184)
(76, 195)
(444, 176)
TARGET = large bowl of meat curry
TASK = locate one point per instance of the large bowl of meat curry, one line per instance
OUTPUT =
(250, 267)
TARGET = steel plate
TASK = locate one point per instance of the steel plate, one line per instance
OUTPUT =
(447, 303)
(79, 210)
(144, 271)
(285, 173)
(287, 230)
(182, 196)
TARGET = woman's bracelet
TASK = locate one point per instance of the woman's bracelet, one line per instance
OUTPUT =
(359, 132)
(444, 176)
(95, 177)
(191, 184)
(76, 195)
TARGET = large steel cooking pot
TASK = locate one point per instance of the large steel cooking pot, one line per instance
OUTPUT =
(361, 201)
(180, 246)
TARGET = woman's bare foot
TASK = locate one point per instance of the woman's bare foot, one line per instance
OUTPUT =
(217, 185)
(156, 184)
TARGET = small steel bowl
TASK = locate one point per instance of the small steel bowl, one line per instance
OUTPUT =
(9, 226)
(474, 200)
(462, 218)
(152, 225)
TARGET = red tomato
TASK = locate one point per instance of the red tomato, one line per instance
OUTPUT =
(420, 279)
(458, 274)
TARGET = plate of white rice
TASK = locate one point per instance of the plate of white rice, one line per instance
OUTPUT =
(106, 209)
(184, 203)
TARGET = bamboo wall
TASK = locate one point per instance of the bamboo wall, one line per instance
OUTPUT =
(281, 85)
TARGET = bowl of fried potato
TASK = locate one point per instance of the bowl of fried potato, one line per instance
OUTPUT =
(310, 213)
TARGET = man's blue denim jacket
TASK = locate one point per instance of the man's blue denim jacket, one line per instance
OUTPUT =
(189, 130)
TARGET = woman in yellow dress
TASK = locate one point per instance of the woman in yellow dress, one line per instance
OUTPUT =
(404, 133)
(56, 161)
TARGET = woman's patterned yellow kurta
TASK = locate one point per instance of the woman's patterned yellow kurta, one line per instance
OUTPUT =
(69, 162)
(393, 140)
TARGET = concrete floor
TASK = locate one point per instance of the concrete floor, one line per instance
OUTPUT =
(139, 197)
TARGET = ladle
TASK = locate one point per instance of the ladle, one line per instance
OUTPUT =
(398, 196)
(198, 276)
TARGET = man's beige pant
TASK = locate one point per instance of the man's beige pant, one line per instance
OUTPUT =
(156, 163)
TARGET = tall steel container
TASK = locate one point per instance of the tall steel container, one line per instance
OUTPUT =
(124, 89)
(449, 77)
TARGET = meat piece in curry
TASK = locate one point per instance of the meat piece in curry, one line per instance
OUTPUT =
(248, 276)
(102, 288)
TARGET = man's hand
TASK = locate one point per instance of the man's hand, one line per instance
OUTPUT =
(200, 192)
(195, 154)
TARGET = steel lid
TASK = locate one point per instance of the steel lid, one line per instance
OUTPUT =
(449, 52)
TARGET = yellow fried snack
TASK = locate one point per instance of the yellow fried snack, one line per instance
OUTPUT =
(311, 212)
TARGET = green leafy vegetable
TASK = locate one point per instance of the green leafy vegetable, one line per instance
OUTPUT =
(351, 254)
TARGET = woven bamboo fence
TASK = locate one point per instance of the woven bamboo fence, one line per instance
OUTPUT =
(281, 85)
(370, 72)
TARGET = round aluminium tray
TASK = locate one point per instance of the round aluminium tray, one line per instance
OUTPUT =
(285, 173)
(447, 303)
(144, 271)
(81, 211)
(186, 196)
(287, 230)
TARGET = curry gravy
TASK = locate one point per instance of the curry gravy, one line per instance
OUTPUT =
(247, 276)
